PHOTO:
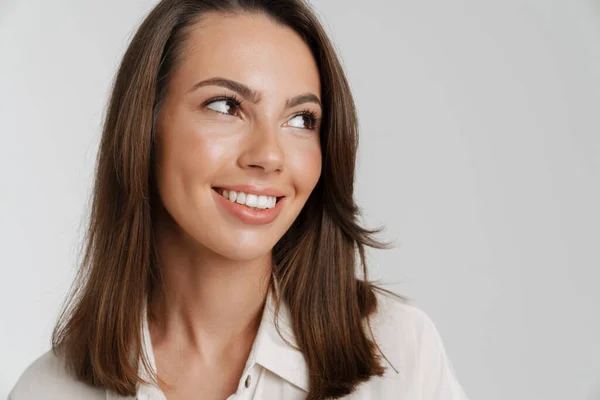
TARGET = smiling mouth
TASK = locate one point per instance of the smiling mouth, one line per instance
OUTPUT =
(220, 192)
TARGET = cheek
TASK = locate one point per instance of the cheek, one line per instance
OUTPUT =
(207, 152)
(189, 156)
(305, 166)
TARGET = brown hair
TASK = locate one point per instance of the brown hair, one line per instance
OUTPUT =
(99, 330)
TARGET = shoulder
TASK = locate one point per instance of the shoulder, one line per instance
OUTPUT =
(47, 378)
(410, 340)
(400, 322)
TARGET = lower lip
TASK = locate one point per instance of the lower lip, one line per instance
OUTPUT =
(248, 215)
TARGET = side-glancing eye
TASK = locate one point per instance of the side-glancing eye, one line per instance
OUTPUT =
(310, 117)
(230, 105)
(224, 105)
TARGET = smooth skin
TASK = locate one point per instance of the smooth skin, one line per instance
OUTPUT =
(215, 267)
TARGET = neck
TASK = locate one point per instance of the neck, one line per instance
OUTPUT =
(207, 304)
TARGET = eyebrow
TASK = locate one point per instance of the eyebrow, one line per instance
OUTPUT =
(253, 95)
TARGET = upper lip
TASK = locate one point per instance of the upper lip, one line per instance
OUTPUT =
(251, 189)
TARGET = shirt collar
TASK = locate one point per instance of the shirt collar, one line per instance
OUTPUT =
(268, 350)
(271, 350)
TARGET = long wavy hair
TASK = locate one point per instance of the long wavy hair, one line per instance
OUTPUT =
(98, 332)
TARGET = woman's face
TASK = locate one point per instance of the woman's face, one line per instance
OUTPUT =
(269, 142)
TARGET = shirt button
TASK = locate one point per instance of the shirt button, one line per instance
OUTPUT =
(247, 383)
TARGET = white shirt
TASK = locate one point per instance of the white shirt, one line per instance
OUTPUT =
(274, 370)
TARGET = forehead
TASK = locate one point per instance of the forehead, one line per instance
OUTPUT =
(251, 49)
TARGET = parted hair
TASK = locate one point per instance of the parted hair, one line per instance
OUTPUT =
(316, 262)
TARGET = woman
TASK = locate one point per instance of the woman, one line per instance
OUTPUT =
(221, 253)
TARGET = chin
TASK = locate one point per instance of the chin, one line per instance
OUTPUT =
(242, 254)
(239, 251)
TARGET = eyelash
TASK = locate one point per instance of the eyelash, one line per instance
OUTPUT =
(315, 120)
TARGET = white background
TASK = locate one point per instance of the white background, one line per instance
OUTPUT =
(480, 152)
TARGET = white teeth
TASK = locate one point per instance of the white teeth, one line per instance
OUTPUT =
(250, 200)
(241, 198)
(263, 202)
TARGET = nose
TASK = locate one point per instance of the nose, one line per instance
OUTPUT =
(262, 149)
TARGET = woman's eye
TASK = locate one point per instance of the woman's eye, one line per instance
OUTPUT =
(304, 121)
(224, 106)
